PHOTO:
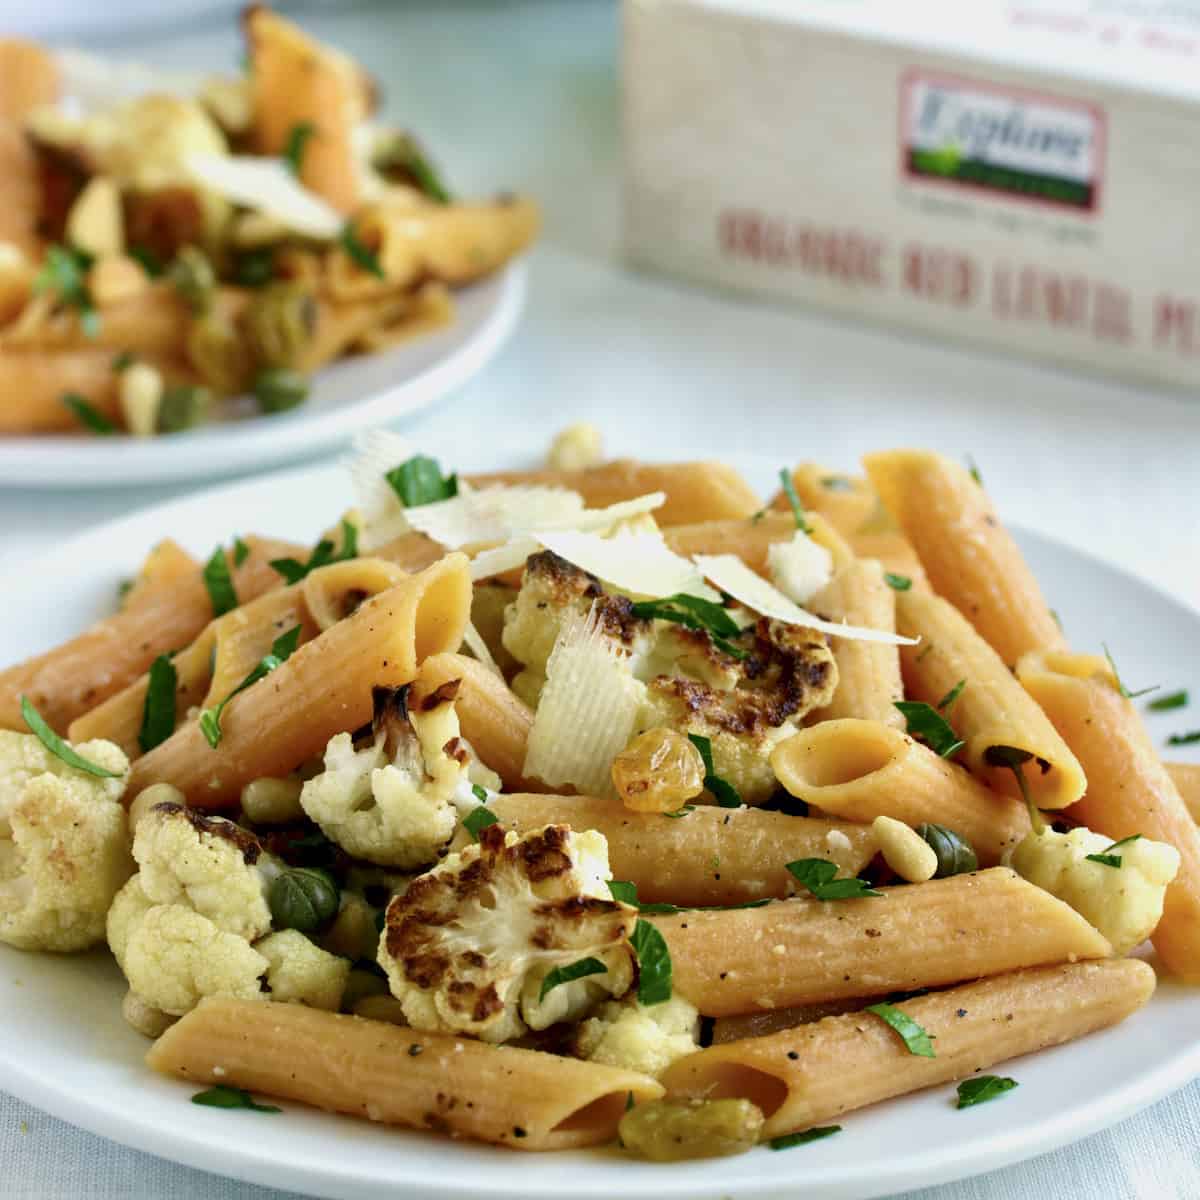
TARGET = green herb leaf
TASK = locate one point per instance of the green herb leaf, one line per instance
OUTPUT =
(925, 722)
(576, 970)
(405, 154)
(953, 694)
(479, 793)
(626, 893)
(359, 253)
(982, 1089)
(1120, 686)
(151, 263)
(955, 855)
(87, 415)
(1107, 858)
(323, 554)
(915, 1038)
(789, 490)
(57, 746)
(758, 516)
(420, 481)
(123, 361)
(281, 651)
(297, 141)
(158, 711)
(725, 793)
(64, 273)
(1014, 759)
(654, 964)
(254, 268)
(694, 613)
(623, 890)
(1184, 739)
(836, 483)
(680, 812)
(240, 552)
(1171, 700)
(818, 875)
(478, 819)
(973, 467)
(222, 1096)
(899, 583)
(219, 583)
(303, 898)
(803, 1138)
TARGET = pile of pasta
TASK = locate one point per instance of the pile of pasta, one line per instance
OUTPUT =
(206, 238)
(839, 816)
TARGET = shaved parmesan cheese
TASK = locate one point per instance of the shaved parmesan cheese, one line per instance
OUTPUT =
(587, 710)
(606, 520)
(267, 186)
(376, 452)
(732, 576)
(503, 558)
(799, 568)
(638, 563)
(91, 81)
(495, 514)
(473, 640)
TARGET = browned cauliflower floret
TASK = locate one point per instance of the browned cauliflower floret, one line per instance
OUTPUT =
(468, 946)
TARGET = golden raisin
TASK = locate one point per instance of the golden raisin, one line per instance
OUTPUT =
(676, 1130)
(658, 771)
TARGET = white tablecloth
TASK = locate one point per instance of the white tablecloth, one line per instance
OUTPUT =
(525, 94)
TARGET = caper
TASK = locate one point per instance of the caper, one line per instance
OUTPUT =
(280, 322)
(279, 389)
(194, 278)
(955, 855)
(183, 407)
(302, 898)
(218, 352)
(672, 1130)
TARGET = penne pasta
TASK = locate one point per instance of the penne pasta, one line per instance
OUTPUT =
(1186, 778)
(992, 710)
(1129, 790)
(712, 856)
(332, 593)
(329, 680)
(803, 1076)
(913, 936)
(969, 556)
(29, 78)
(860, 770)
(511, 1097)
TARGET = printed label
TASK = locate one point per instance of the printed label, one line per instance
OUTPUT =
(1006, 141)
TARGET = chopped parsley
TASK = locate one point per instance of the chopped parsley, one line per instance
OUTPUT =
(1014, 759)
(694, 613)
(1171, 700)
(1184, 739)
(240, 552)
(915, 1038)
(86, 414)
(420, 481)
(654, 964)
(626, 893)
(789, 490)
(123, 361)
(680, 812)
(359, 253)
(973, 468)
(478, 819)
(405, 154)
(724, 791)
(836, 483)
(281, 651)
(479, 793)
(953, 694)
(576, 970)
(222, 1096)
(925, 722)
(219, 583)
(57, 746)
(297, 142)
(623, 891)
(1121, 686)
(788, 1140)
(818, 875)
(158, 710)
(323, 554)
(64, 273)
(151, 263)
(1107, 858)
(899, 583)
(982, 1089)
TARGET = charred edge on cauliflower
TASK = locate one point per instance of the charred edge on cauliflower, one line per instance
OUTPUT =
(440, 695)
(400, 741)
(432, 902)
(250, 847)
(564, 584)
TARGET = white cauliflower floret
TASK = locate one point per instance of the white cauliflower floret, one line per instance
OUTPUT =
(1123, 902)
(393, 803)
(64, 845)
(130, 905)
(629, 1035)
(205, 863)
(799, 568)
(299, 972)
(468, 945)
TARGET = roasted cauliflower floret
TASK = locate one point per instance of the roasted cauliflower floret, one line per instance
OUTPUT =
(629, 1035)
(1124, 902)
(64, 844)
(467, 947)
(299, 972)
(393, 802)
(205, 863)
(799, 568)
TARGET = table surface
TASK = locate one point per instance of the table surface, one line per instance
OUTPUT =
(525, 94)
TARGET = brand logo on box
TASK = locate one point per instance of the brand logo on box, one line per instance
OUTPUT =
(1004, 140)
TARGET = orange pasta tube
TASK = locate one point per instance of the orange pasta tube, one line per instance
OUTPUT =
(29, 78)
(696, 491)
(803, 1076)
(324, 688)
(1129, 789)
(1186, 778)
(920, 935)
(33, 383)
(511, 1097)
(860, 770)
(969, 556)
(751, 539)
(66, 682)
(993, 709)
(711, 856)
(412, 551)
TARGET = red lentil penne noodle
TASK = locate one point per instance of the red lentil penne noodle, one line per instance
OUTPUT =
(860, 770)
(500, 1094)
(804, 1076)
(1186, 778)
(772, 1020)
(711, 856)
(1129, 789)
(969, 556)
(914, 936)
(992, 710)
(324, 688)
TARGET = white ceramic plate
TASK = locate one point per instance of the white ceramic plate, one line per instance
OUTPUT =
(349, 395)
(66, 1049)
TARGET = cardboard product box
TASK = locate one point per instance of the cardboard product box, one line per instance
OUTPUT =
(1024, 175)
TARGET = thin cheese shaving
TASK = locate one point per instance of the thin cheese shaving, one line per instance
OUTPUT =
(638, 563)
(605, 520)
(587, 710)
(376, 452)
(495, 514)
(799, 568)
(733, 577)
(473, 640)
(503, 559)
